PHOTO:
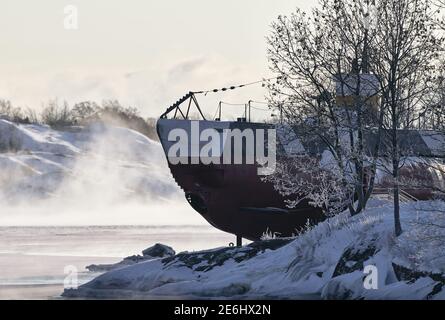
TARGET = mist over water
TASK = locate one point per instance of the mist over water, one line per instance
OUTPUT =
(98, 175)
(51, 214)
(85, 196)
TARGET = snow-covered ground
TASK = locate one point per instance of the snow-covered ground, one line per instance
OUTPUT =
(40, 159)
(326, 262)
(91, 175)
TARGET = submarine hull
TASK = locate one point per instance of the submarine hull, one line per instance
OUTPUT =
(234, 198)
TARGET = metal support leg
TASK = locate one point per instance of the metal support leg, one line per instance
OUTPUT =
(239, 241)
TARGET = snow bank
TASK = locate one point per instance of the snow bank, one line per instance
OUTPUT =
(38, 162)
(98, 174)
(326, 262)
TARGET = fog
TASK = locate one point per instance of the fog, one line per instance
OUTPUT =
(99, 175)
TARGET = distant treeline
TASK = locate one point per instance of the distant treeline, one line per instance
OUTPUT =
(59, 115)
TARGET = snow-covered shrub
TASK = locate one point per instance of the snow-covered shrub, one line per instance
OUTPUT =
(11, 113)
(303, 178)
(56, 115)
(83, 111)
(269, 235)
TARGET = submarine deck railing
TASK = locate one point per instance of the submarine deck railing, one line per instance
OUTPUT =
(191, 98)
(176, 107)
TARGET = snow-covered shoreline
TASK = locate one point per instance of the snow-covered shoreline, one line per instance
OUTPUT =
(92, 175)
(33, 259)
(326, 262)
(116, 163)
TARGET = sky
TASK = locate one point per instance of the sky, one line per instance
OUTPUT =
(144, 53)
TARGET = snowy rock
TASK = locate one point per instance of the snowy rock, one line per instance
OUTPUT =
(155, 252)
(326, 262)
(165, 276)
(158, 251)
(353, 259)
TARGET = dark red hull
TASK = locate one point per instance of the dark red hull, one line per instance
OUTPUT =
(233, 199)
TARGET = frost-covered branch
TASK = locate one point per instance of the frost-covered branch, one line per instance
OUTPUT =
(303, 178)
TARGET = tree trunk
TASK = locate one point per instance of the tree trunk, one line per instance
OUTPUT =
(397, 225)
(395, 172)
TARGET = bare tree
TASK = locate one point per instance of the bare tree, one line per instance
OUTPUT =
(354, 69)
(56, 114)
(405, 54)
(325, 89)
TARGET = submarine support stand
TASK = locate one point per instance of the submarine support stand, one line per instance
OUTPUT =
(239, 241)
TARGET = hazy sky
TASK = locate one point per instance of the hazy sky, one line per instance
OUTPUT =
(143, 52)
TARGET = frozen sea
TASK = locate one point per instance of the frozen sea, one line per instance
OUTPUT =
(33, 260)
